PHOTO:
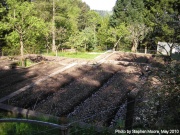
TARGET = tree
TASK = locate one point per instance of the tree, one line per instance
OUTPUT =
(164, 20)
(2, 31)
(127, 11)
(138, 33)
(83, 16)
(53, 28)
(24, 27)
(121, 32)
(83, 40)
(102, 33)
(130, 12)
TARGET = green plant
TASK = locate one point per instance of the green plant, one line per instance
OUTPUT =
(27, 63)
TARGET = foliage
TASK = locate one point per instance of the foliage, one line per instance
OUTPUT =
(111, 37)
(160, 108)
(23, 26)
(84, 40)
(132, 14)
(133, 24)
(163, 18)
(25, 128)
(127, 11)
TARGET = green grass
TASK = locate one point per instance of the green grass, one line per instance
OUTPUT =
(28, 63)
(83, 55)
(15, 128)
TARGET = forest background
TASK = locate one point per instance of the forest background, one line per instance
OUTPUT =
(35, 26)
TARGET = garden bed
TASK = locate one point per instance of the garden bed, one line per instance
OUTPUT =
(31, 97)
(130, 57)
(102, 106)
(15, 79)
(64, 101)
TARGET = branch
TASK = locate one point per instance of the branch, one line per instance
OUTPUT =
(117, 42)
(163, 48)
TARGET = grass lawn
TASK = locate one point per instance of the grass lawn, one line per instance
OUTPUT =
(83, 55)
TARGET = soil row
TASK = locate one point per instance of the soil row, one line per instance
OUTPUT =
(64, 101)
(31, 97)
(129, 57)
(102, 106)
(23, 77)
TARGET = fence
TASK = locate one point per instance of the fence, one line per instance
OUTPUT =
(66, 129)
(81, 127)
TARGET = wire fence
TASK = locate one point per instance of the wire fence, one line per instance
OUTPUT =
(75, 127)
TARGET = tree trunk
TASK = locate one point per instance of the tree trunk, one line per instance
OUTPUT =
(135, 45)
(171, 49)
(146, 50)
(53, 30)
(115, 45)
(22, 50)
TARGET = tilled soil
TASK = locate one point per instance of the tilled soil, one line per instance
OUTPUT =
(129, 57)
(15, 79)
(63, 101)
(31, 97)
(90, 92)
(102, 106)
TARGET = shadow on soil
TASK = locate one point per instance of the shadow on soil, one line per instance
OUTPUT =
(13, 79)
(72, 90)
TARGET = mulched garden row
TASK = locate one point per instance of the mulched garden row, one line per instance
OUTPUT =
(64, 101)
(31, 97)
(101, 107)
(22, 77)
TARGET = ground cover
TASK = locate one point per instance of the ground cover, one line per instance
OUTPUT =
(17, 128)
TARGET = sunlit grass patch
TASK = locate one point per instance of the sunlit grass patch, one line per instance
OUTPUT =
(27, 62)
(83, 55)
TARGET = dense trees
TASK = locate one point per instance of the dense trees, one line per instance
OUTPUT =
(149, 21)
(130, 12)
(58, 24)
(164, 21)
(24, 28)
